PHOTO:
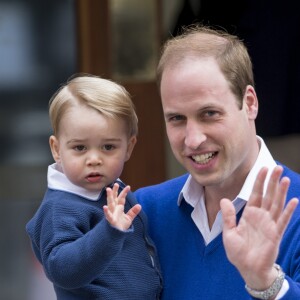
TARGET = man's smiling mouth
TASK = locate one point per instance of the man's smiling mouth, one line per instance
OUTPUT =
(204, 158)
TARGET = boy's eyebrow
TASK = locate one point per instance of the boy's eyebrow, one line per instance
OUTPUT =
(84, 140)
(76, 141)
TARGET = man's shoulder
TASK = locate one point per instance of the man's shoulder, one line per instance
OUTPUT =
(294, 189)
(174, 184)
(160, 196)
(287, 171)
(167, 190)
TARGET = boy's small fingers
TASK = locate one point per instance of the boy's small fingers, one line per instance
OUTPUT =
(115, 189)
(134, 211)
(124, 192)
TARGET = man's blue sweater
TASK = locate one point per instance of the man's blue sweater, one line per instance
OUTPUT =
(86, 258)
(191, 270)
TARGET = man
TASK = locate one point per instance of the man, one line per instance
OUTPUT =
(210, 106)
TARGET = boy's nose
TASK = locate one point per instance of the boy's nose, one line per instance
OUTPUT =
(94, 159)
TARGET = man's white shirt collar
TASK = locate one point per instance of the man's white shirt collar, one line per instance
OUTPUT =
(264, 159)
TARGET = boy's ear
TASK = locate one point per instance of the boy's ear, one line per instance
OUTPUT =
(130, 146)
(54, 146)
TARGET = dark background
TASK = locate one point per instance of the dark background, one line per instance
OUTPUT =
(271, 31)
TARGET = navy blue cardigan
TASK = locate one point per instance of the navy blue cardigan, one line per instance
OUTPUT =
(86, 258)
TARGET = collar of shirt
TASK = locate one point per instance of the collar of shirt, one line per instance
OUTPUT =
(193, 193)
(59, 181)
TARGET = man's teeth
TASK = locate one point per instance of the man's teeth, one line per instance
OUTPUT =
(203, 158)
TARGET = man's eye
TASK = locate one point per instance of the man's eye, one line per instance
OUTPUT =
(79, 148)
(211, 113)
(176, 118)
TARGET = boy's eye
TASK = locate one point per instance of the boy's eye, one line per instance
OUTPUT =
(79, 148)
(108, 147)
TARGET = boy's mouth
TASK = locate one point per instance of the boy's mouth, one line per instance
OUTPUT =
(94, 177)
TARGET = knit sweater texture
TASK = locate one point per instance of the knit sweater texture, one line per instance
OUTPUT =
(192, 270)
(87, 258)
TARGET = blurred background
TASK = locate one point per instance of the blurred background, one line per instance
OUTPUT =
(42, 43)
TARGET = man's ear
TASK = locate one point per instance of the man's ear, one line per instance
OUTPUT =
(54, 146)
(131, 143)
(251, 102)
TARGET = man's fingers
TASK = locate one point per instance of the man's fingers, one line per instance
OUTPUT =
(286, 215)
(258, 188)
(273, 188)
(228, 214)
(278, 200)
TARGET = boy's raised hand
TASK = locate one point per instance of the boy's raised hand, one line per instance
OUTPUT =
(114, 210)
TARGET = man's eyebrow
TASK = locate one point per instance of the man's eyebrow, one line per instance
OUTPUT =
(171, 114)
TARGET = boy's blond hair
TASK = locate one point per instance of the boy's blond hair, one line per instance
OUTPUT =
(108, 97)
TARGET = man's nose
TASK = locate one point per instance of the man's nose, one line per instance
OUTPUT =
(194, 135)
